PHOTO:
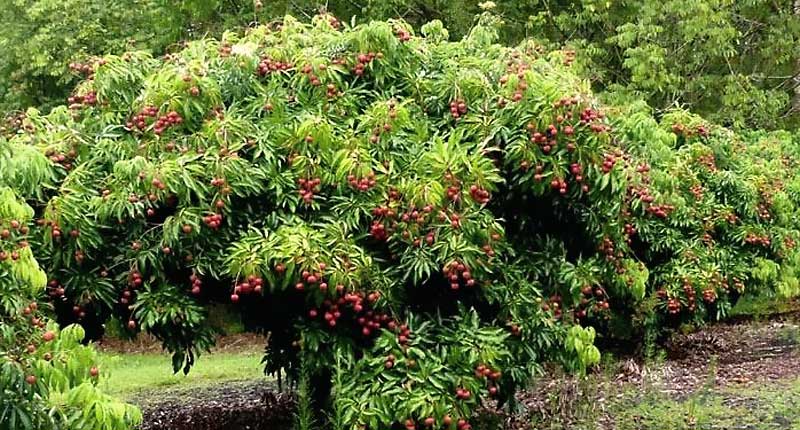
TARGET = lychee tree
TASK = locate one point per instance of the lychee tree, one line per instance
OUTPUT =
(417, 223)
(47, 378)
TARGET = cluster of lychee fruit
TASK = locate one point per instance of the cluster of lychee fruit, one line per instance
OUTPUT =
(79, 312)
(559, 184)
(332, 21)
(309, 278)
(403, 34)
(197, 283)
(709, 295)
(660, 211)
(594, 119)
(79, 256)
(554, 304)
(518, 68)
(126, 297)
(313, 79)
(491, 375)
(697, 191)
(479, 194)
(14, 232)
(683, 130)
(362, 184)
(225, 49)
(308, 187)
(164, 122)
(86, 69)
(691, 295)
(456, 272)
(134, 279)
(64, 159)
(429, 422)
(213, 221)
(139, 120)
(708, 161)
(673, 306)
(607, 248)
(78, 101)
(55, 289)
(458, 107)
(763, 211)
(269, 65)
(642, 193)
(755, 239)
(609, 161)
(363, 59)
(12, 122)
(253, 284)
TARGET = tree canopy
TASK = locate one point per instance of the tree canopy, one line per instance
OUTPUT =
(734, 62)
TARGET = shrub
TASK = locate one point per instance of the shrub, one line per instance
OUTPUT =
(418, 223)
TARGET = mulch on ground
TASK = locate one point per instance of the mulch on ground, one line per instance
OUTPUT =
(243, 405)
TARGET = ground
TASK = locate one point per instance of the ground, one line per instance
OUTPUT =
(226, 389)
(743, 375)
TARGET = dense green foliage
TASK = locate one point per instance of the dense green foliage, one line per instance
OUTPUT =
(417, 222)
(734, 62)
(47, 378)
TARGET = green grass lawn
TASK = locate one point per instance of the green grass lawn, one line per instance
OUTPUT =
(125, 375)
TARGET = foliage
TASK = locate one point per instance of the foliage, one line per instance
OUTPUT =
(432, 219)
(47, 378)
(45, 43)
(734, 62)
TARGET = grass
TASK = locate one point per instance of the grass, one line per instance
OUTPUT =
(768, 407)
(762, 306)
(130, 374)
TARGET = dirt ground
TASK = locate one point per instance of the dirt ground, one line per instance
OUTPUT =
(230, 406)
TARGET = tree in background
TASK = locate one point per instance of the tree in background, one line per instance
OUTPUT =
(39, 39)
(733, 61)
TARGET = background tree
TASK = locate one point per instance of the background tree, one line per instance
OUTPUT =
(39, 39)
(732, 61)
